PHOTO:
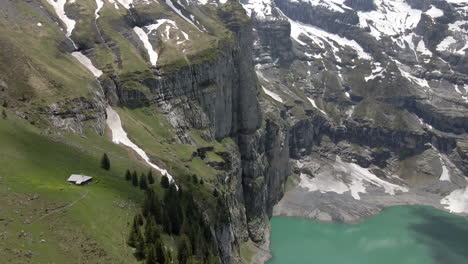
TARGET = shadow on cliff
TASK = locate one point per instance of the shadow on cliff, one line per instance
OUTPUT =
(447, 237)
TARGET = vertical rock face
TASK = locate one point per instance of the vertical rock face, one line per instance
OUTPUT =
(220, 97)
(274, 41)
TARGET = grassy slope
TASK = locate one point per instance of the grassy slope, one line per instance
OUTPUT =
(92, 229)
(149, 129)
(72, 224)
(32, 64)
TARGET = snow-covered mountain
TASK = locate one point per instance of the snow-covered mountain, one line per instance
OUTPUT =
(385, 83)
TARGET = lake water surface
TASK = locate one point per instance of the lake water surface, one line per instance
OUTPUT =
(398, 235)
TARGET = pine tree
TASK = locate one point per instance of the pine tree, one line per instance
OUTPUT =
(143, 183)
(4, 114)
(134, 179)
(215, 193)
(166, 222)
(151, 255)
(160, 254)
(128, 175)
(184, 250)
(134, 233)
(165, 181)
(150, 177)
(202, 182)
(138, 219)
(151, 231)
(139, 252)
(105, 162)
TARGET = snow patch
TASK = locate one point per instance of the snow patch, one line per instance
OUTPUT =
(273, 95)
(424, 123)
(456, 201)
(153, 55)
(119, 136)
(85, 61)
(59, 7)
(39, 24)
(391, 18)
(144, 36)
(99, 4)
(319, 36)
(348, 177)
(261, 8)
(422, 48)
(410, 77)
(125, 3)
(377, 71)
(333, 5)
(446, 43)
(434, 12)
(312, 101)
(445, 176)
(171, 5)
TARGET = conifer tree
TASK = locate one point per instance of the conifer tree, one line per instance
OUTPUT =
(134, 234)
(151, 231)
(160, 254)
(202, 182)
(4, 114)
(105, 162)
(128, 175)
(134, 179)
(139, 252)
(166, 222)
(215, 192)
(194, 179)
(143, 183)
(150, 177)
(151, 255)
(165, 181)
(138, 219)
(184, 250)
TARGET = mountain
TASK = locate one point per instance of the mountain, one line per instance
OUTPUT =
(345, 105)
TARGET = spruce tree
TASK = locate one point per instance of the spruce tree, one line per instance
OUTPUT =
(143, 183)
(105, 162)
(184, 250)
(134, 234)
(160, 254)
(166, 222)
(202, 182)
(4, 114)
(128, 175)
(134, 179)
(165, 181)
(151, 231)
(151, 255)
(150, 177)
(215, 193)
(139, 252)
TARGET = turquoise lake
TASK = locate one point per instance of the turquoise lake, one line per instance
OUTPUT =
(398, 235)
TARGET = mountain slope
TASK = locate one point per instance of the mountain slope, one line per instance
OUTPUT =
(346, 106)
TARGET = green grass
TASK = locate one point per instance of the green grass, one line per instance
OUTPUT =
(151, 131)
(93, 228)
(247, 251)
